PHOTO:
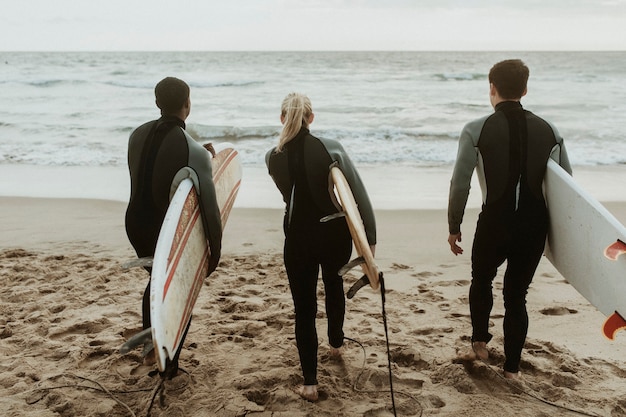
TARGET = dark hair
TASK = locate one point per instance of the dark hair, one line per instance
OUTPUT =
(510, 78)
(171, 95)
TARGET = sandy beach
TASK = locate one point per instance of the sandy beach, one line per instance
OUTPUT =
(67, 307)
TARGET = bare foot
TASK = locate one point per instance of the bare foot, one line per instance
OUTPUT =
(467, 356)
(335, 352)
(308, 392)
(511, 375)
(480, 349)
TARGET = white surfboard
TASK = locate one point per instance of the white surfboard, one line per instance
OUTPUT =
(585, 242)
(182, 254)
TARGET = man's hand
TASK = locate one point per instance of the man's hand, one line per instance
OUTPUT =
(452, 239)
(209, 147)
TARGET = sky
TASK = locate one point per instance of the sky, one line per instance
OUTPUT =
(269, 25)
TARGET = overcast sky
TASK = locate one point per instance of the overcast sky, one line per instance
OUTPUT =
(62, 25)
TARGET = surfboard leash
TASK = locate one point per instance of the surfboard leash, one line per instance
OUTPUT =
(363, 281)
(522, 388)
(384, 313)
(355, 384)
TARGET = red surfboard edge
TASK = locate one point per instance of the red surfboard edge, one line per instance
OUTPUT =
(613, 324)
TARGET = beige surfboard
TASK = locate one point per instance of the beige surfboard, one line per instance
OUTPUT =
(345, 198)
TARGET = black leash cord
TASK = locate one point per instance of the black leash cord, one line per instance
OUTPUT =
(382, 295)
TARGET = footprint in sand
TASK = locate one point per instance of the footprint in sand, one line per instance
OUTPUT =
(444, 307)
(399, 266)
(131, 365)
(457, 316)
(557, 311)
(416, 309)
(453, 283)
(94, 359)
(425, 274)
(88, 327)
(430, 295)
(259, 397)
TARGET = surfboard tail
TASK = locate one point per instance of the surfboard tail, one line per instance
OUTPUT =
(613, 324)
(614, 250)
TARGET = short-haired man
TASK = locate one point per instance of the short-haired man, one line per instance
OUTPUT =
(510, 149)
(160, 155)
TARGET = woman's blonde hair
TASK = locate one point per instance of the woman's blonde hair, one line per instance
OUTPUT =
(295, 112)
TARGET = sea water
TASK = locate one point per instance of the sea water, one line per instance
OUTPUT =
(396, 110)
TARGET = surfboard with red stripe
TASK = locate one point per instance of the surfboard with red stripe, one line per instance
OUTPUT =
(181, 258)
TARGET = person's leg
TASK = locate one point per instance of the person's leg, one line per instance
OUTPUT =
(145, 307)
(335, 253)
(302, 273)
(488, 253)
(335, 307)
(143, 233)
(522, 264)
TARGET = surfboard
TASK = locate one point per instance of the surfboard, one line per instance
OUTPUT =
(365, 258)
(584, 244)
(182, 254)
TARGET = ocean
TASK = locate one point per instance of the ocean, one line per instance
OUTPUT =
(389, 109)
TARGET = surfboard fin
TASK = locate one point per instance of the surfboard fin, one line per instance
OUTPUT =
(332, 216)
(614, 250)
(362, 282)
(613, 324)
(347, 267)
(144, 337)
(134, 263)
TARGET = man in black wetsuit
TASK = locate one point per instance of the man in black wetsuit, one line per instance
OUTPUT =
(509, 149)
(160, 155)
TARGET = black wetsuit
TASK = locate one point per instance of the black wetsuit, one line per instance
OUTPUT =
(160, 156)
(301, 173)
(511, 148)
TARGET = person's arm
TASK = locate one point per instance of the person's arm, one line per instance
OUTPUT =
(360, 194)
(278, 169)
(200, 162)
(467, 158)
(559, 152)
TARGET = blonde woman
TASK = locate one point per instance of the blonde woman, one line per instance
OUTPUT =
(300, 166)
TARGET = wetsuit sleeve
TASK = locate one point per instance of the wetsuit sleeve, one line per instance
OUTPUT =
(278, 169)
(361, 197)
(559, 152)
(200, 162)
(466, 161)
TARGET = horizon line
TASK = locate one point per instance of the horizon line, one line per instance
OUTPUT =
(307, 50)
